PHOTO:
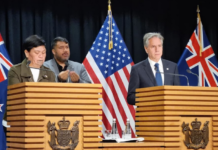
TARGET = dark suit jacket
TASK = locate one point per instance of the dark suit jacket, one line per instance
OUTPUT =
(142, 76)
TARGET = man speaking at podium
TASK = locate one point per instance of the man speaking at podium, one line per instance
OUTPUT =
(154, 71)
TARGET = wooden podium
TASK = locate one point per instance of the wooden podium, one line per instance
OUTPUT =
(160, 114)
(162, 110)
(30, 106)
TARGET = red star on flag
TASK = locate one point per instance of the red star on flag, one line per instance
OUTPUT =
(1, 107)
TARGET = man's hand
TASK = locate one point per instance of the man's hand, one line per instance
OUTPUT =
(74, 77)
(63, 75)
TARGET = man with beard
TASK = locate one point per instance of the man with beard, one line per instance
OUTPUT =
(65, 70)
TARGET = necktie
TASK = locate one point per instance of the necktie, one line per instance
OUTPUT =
(158, 75)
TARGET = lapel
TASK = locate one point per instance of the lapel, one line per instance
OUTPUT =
(42, 74)
(25, 72)
(54, 66)
(70, 66)
(149, 72)
(166, 69)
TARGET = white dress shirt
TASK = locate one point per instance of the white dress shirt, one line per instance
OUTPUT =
(152, 63)
(35, 73)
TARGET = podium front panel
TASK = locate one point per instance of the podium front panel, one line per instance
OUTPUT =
(31, 106)
(161, 111)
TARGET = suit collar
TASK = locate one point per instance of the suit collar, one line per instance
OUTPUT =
(165, 65)
(149, 72)
(166, 69)
(152, 63)
(25, 71)
(70, 66)
(54, 65)
(42, 74)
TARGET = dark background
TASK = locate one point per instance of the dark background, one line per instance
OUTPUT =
(80, 21)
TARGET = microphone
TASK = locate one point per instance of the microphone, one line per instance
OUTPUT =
(28, 66)
(66, 63)
(28, 63)
(189, 71)
(173, 74)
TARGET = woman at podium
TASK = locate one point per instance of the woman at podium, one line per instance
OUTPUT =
(31, 69)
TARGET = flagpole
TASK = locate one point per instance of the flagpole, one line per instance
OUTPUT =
(199, 30)
(110, 46)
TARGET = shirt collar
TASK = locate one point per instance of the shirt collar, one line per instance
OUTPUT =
(152, 63)
(60, 68)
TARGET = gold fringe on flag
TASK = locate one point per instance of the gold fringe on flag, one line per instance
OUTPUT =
(110, 46)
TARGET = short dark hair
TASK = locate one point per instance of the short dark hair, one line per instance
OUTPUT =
(33, 41)
(58, 39)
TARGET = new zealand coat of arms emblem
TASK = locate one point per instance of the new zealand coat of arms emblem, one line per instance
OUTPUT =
(66, 139)
(196, 138)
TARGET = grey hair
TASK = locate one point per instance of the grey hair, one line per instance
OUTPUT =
(150, 35)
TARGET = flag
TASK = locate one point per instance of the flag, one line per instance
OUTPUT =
(108, 62)
(5, 65)
(199, 57)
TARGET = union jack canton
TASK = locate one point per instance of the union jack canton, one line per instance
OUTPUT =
(199, 57)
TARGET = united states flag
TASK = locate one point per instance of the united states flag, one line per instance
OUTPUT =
(200, 58)
(112, 69)
(5, 65)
